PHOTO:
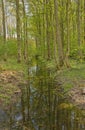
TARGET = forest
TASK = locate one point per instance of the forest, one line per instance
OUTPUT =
(42, 64)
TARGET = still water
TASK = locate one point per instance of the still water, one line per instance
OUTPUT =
(42, 105)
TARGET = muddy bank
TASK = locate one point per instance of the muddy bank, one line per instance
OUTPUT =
(77, 94)
(10, 86)
(74, 90)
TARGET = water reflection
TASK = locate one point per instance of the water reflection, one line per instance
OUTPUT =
(42, 106)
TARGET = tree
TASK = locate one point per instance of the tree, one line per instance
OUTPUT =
(25, 31)
(68, 3)
(18, 30)
(4, 29)
(79, 27)
(58, 35)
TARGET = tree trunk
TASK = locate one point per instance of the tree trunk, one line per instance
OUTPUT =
(4, 30)
(58, 35)
(47, 30)
(25, 30)
(84, 21)
(18, 30)
(79, 29)
(68, 34)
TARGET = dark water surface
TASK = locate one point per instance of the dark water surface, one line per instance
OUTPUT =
(42, 106)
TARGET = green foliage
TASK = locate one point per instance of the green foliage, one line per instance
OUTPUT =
(11, 48)
(11, 64)
(66, 106)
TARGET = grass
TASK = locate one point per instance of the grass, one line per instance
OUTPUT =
(72, 76)
(77, 71)
(11, 64)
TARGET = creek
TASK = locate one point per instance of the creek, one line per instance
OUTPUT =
(42, 106)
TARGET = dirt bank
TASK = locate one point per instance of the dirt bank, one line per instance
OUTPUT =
(77, 94)
(74, 90)
(9, 86)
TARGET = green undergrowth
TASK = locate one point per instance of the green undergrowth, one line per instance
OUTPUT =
(77, 70)
(72, 76)
(11, 64)
(11, 48)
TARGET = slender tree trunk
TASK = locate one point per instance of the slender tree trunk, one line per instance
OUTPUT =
(84, 21)
(18, 30)
(38, 27)
(62, 22)
(47, 30)
(58, 35)
(55, 43)
(44, 33)
(79, 29)
(68, 34)
(25, 30)
(4, 29)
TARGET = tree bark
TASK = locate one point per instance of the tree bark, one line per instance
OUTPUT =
(58, 35)
(25, 31)
(47, 30)
(18, 30)
(84, 21)
(4, 29)
(79, 29)
(68, 34)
